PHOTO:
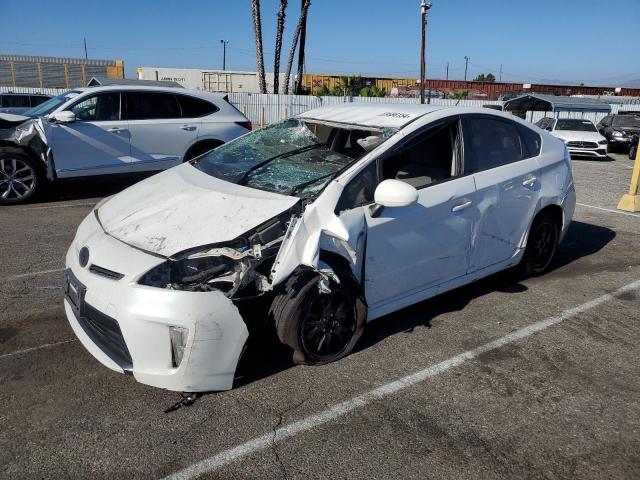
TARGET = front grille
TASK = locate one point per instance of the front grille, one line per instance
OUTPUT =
(105, 332)
(582, 144)
(105, 272)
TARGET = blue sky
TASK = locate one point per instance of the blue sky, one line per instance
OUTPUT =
(591, 41)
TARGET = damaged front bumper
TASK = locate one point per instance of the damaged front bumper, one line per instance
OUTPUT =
(128, 327)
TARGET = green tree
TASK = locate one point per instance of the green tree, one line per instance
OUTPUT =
(323, 91)
(373, 91)
(460, 94)
(489, 77)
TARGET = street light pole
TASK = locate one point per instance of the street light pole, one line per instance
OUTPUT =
(424, 8)
(224, 53)
(466, 64)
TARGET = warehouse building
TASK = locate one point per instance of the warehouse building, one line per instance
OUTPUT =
(55, 72)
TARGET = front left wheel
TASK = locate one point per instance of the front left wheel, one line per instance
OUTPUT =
(20, 179)
(320, 319)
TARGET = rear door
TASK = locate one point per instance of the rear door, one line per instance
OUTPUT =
(159, 135)
(501, 155)
(97, 143)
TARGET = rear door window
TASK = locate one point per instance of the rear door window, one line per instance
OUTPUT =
(531, 142)
(490, 142)
(15, 101)
(151, 106)
(193, 107)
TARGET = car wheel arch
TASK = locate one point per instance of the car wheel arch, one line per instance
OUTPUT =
(200, 146)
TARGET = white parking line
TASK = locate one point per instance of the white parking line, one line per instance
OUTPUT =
(610, 210)
(34, 274)
(282, 433)
(32, 349)
(68, 205)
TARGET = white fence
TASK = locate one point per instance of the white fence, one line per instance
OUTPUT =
(263, 109)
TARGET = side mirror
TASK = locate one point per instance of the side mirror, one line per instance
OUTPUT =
(393, 193)
(63, 117)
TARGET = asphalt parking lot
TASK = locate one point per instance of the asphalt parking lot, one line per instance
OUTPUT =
(512, 378)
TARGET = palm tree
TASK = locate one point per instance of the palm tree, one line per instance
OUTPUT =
(257, 27)
(279, 31)
(294, 44)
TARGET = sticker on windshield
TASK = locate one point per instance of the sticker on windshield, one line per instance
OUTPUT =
(394, 115)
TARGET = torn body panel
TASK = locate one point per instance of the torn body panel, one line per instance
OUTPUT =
(319, 228)
(29, 137)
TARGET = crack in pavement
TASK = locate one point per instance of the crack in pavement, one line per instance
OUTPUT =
(274, 444)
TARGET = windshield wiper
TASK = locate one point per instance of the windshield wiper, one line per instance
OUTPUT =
(301, 186)
(261, 164)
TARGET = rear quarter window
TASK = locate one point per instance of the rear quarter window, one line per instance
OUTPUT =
(193, 107)
(531, 142)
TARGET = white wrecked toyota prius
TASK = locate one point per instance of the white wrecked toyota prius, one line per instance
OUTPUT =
(318, 224)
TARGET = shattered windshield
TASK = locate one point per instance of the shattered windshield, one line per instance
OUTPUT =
(295, 157)
(50, 105)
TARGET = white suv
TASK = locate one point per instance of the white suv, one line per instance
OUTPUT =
(112, 130)
(318, 224)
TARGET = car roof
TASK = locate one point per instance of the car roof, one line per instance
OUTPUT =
(380, 115)
(150, 88)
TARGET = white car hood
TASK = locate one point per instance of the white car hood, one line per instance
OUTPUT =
(574, 136)
(183, 207)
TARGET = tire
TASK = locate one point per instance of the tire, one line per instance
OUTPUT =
(20, 178)
(542, 244)
(632, 152)
(303, 317)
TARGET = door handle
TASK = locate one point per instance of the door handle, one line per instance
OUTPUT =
(529, 181)
(462, 206)
(115, 130)
(188, 128)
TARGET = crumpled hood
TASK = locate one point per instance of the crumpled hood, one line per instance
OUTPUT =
(576, 136)
(183, 207)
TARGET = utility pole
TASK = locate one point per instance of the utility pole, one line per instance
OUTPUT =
(85, 49)
(500, 73)
(424, 8)
(446, 72)
(224, 53)
(466, 64)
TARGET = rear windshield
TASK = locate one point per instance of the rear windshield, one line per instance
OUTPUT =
(295, 157)
(575, 125)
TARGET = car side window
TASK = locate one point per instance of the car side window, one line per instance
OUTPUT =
(490, 142)
(148, 106)
(531, 142)
(15, 101)
(98, 108)
(37, 100)
(193, 107)
(359, 191)
(431, 156)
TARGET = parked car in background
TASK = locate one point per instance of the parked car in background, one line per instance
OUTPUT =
(18, 103)
(318, 224)
(618, 129)
(581, 136)
(112, 130)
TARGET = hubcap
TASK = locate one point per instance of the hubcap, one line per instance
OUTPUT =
(17, 179)
(328, 326)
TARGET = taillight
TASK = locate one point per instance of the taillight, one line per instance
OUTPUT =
(246, 124)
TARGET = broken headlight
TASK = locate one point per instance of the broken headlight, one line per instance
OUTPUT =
(189, 272)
